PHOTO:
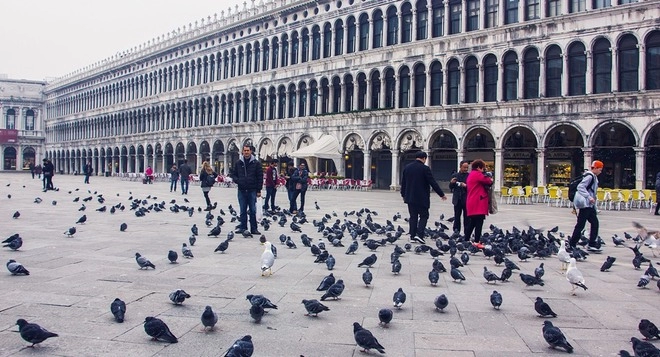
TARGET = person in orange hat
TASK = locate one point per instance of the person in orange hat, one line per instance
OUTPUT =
(585, 202)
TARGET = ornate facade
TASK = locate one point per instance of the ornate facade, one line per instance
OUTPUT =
(536, 88)
(22, 134)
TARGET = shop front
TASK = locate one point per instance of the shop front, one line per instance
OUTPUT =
(613, 145)
(519, 168)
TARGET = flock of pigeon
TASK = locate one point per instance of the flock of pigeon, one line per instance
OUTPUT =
(357, 231)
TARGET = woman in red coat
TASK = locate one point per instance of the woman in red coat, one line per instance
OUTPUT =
(477, 199)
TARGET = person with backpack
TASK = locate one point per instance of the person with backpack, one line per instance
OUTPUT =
(207, 179)
(657, 193)
(585, 202)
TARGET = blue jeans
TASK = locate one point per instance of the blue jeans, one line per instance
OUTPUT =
(173, 185)
(270, 196)
(184, 185)
(292, 200)
(247, 199)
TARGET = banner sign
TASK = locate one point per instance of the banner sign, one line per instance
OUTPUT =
(8, 136)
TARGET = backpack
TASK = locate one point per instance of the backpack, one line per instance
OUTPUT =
(573, 186)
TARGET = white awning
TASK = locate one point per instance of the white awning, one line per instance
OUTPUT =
(327, 147)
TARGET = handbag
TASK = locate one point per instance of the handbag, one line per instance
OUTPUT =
(210, 180)
(492, 202)
(299, 186)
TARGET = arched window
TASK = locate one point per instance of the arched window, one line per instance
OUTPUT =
(257, 57)
(302, 101)
(436, 83)
(602, 66)
(420, 85)
(254, 113)
(265, 59)
(305, 45)
(375, 90)
(352, 32)
(314, 97)
(248, 59)
(510, 76)
(339, 37)
(276, 53)
(295, 47)
(422, 19)
(281, 104)
(553, 70)
(285, 51)
(377, 41)
(316, 43)
(272, 103)
(471, 79)
(577, 69)
(437, 29)
(362, 91)
(232, 63)
(325, 96)
(390, 83)
(392, 26)
(29, 120)
(653, 60)
(490, 78)
(327, 40)
(291, 110)
(336, 95)
(263, 104)
(364, 32)
(406, 22)
(532, 74)
(10, 119)
(453, 81)
(628, 64)
(241, 60)
(404, 88)
(349, 88)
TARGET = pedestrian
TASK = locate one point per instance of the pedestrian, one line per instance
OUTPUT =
(291, 188)
(184, 171)
(271, 185)
(300, 177)
(48, 171)
(32, 169)
(248, 175)
(37, 170)
(87, 170)
(416, 181)
(458, 188)
(174, 177)
(207, 180)
(585, 203)
(657, 193)
(149, 174)
(478, 183)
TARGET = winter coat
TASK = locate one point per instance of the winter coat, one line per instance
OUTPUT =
(174, 175)
(300, 177)
(204, 175)
(271, 177)
(185, 171)
(248, 175)
(459, 194)
(477, 193)
(585, 190)
(416, 183)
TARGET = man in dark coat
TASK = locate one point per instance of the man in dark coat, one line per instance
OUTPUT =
(184, 172)
(415, 182)
(248, 174)
(87, 171)
(48, 171)
(459, 193)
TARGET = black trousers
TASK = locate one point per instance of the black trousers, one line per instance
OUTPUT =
(206, 197)
(474, 224)
(459, 210)
(418, 217)
(585, 215)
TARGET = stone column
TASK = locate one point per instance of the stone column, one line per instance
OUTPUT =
(366, 170)
(541, 77)
(308, 101)
(342, 97)
(396, 91)
(589, 88)
(300, 48)
(499, 169)
(615, 69)
(383, 93)
(639, 168)
(565, 7)
(461, 86)
(429, 22)
(344, 41)
(521, 79)
(540, 167)
(447, 19)
(319, 101)
(501, 13)
(367, 99)
(331, 100)
(395, 171)
(480, 83)
(587, 153)
(427, 91)
(225, 158)
(267, 117)
(322, 44)
(482, 14)
(500, 79)
(463, 17)
(642, 69)
(564, 75)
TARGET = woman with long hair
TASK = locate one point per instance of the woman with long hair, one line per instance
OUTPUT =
(476, 204)
(207, 179)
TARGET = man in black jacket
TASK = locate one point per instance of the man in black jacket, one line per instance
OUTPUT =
(48, 171)
(415, 191)
(248, 174)
(459, 194)
(184, 172)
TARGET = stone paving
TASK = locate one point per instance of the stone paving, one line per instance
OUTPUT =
(74, 280)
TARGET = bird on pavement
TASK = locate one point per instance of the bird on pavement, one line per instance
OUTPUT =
(172, 256)
(314, 307)
(70, 232)
(365, 339)
(241, 347)
(543, 309)
(143, 262)
(554, 337)
(187, 253)
(158, 330)
(496, 299)
(261, 301)
(441, 302)
(368, 261)
(531, 280)
(123, 227)
(563, 256)
(14, 243)
(399, 298)
(16, 268)
(267, 260)
(82, 219)
(118, 309)
(209, 318)
(326, 283)
(334, 291)
(367, 277)
(16, 215)
(385, 316)
(33, 333)
(222, 247)
(607, 264)
(644, 348)
(490, 276)
(257, 313)
(648, 329)
(574, 276)
(179, 296)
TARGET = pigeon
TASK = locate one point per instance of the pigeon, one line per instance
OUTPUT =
(242, 347)
(438, 266)
(367, 277)
(352, 248)
(441, 303)
(543, 309)
(496, 299)
(369, 261)
(118, 309)
(396, 267)
(457, 275)
(15, 268)
(330, 262)
(194, 230)
(14, 244)
(314, 307)
(434, 276)
(267, 259)
(334, 291)
(192, 239)
(574, 276)
(554, 337)
(158, 330)
(16, 215)
(506, 274)
(257, 313)
(179, 296)
(215, 231)
(652, 272)
(539, 271)
(531, 280)
(385, 316)
(187, 253)
(222, 247)
(607, 264)
(261, 301)
(82, 219)
(33, 333)
(143, 262)
(365, 339)
(209, 318)
(399, 298)
(490, 276)
(648, 329)
(511, 265)
(644, 280)
(172, 256)
(326, 283)
(70, 232)
(123, 227)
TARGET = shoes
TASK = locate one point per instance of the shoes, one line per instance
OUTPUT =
(478, 245)
(239, 230)
(255, 232)
(417, 239)
(656, 214)
(594, 248)
(209, 208)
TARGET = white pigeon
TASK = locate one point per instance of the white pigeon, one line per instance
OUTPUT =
(563, 255)
(650, 237)
(267, 259)
(574, 276)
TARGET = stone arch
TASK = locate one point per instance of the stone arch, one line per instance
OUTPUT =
(353, 148)
(613, 143)
(267, 149)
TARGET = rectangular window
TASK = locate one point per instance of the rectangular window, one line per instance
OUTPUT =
(492, 6)
(11, 122)
(406, 33)
(473, 15)
(438, 21)
(511, 11)
(533, 10)
(422, 24)
(378, 34)
(455, 18)
(29, 122)
(600, 4)
(554, 8)
(577, 5)
(623, 2)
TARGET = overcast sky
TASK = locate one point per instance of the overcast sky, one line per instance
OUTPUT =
(51, 38)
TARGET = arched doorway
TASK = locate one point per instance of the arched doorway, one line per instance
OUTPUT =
(191, 156)
(233, 151)
(410, 143)
(157, 165)
(29, 157)
(519, 157)
(381, 161)
(219, 157)
(443, 157)
(205, 152)
(132, 159)
(10, 158)
(180, 154)
(613, 145)
(124, 159)
(652, 148)
(354, 157)
(564, 158)
(479, 144)
(284, 148)
(141, 165)
(169, 156)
